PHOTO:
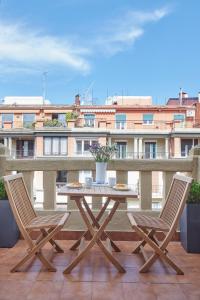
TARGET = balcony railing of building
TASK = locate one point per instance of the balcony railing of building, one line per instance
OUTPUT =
(80, 122)
(18, 154)
(49, 167)
(135, 124)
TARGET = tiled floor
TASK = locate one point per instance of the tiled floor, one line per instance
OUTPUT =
(95, 278)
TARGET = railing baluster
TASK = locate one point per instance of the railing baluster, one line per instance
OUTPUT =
(146, 190)
(49, 185)
(28, 178)
(72, 176)
(96, 201)
(122, 177)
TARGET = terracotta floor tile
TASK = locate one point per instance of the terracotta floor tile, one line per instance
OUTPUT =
(168, 291)
(76, 291)
(44, 275)
(45, 290)
(191, 291)
(79, 274)
(106, 274)
(138, 291)
(17, 290)
(107, 290)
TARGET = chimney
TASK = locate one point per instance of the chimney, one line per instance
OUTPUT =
(77, 100)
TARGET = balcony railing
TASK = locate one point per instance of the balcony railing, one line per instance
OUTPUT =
(22, 154)
(48, 170)
(104, 123)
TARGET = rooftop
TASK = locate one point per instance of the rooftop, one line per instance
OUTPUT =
(185, 101)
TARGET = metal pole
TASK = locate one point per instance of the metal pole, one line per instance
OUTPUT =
(44, 78)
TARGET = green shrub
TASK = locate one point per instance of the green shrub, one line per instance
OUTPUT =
(52, 123)
(3, 194)
(194, 194)
(71, 115)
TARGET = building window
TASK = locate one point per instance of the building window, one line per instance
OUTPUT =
(147, 119)
(121, 150)
(187, 145)
(7, 118)
(24, 148)
(61, 176)
(89, 120)
(28, 120)
(179, 117)
(150, 150)
(120, 121)
(82, 146)
(55, 146)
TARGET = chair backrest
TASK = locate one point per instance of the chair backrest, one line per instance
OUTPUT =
(176, 199)
(19, 200)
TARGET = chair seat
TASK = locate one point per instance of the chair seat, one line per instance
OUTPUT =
(149, 222)
(49, 221)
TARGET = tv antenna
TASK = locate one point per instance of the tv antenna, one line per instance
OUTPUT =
(87, 98)
(44, 85)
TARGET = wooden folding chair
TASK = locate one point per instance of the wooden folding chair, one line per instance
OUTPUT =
(148, 226)
(27, 221)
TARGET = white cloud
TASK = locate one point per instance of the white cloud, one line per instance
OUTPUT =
(126, 29)
(29, 51)
(30, 48)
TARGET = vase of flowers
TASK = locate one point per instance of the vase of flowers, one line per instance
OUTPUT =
(102, 154)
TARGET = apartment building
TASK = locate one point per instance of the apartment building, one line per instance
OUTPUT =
(140, 129)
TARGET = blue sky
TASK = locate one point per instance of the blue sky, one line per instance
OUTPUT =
(112, 47)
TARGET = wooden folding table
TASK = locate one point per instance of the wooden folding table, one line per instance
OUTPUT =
(94, 228)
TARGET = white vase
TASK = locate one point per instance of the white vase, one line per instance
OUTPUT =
(101, 172)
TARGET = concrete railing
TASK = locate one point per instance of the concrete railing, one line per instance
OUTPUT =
(49, 167)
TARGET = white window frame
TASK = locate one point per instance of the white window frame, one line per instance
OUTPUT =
(148, 122)
(156, 148)
(88, 121)
(28, 114)
(82, 146)
(122, 124)
(60, 152)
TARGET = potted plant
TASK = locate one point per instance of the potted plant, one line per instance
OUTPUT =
(190, 221)
(9, 232)
(102, 155)
(52, 123)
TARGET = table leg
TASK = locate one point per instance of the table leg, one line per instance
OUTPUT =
(95, 239)
(95, 221)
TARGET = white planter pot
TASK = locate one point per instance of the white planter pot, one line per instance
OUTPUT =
(101, 172)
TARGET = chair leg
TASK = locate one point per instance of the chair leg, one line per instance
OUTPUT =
(36, 249)
(178, 270)
(21, 262)
(159, 253)
(46, 262)
(52, 241)
(143, 242)
(149, 263)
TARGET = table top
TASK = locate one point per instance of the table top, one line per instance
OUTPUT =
(97, 191)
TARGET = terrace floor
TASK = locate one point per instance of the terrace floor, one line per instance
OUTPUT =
(95, 278)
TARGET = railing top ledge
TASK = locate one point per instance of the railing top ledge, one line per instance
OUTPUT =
(76, 164)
